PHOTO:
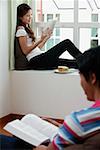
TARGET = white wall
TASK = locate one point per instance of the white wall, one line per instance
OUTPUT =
(46, 93)
(4, 72)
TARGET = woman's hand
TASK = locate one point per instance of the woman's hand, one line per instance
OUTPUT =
(44, 37)
(46, 34)
(49, 32)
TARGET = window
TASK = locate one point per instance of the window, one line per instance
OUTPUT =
(78, 20)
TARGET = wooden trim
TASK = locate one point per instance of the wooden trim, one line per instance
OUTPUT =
(10, 117)
(4, 120)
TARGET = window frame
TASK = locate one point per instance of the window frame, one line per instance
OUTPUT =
(76, 25)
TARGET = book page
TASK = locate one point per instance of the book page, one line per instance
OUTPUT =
(25, 132)
(49, 24)
(41, 125)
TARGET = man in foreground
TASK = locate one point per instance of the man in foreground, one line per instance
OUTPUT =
(82, 124)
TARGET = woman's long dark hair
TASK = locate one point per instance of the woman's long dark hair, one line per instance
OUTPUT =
(23, 9)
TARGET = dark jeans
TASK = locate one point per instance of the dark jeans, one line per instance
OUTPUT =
(50, 59)
(13, 143)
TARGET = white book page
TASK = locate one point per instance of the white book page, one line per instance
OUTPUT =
(50, 24)
(41, 125)
(25, 132)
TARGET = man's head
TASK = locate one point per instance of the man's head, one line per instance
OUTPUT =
(89, 69)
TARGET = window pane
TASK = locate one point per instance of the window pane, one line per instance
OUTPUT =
(89, 10)
(62, 10)
(94, 32)
(50, 44)
(94, 18)
(58, 17)
(57, 31)
(86, 40)
(49, 17)
(57, 41)
(66, 33)
(94, 43)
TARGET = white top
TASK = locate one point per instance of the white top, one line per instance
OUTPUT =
(36, 51)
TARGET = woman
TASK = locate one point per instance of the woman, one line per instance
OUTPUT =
(28, 54)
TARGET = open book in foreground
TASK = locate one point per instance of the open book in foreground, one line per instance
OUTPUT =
(32, 129)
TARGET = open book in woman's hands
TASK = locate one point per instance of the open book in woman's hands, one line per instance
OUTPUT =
(32, 129)
(49, 25)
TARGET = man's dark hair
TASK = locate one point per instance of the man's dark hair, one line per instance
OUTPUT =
(89, 62)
